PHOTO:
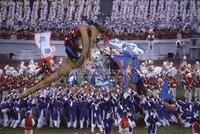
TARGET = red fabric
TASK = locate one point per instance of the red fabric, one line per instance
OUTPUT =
(124, 123)
(187, 82)
(105, 40)
(173, 83)
(28, 124)
(196, 126)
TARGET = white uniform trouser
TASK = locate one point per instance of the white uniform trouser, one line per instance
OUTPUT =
(41, 119)
(197, 93)
(173, 90)
(124, 130)
(15, 123)
(99, 126)
(5, 118)
(188, 94)
(28, 131)
(156, 92)
(50, 121)
(146, 113)
(57, 122)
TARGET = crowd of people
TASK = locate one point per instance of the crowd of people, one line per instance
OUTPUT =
(24, 75)
(86, 105)
(172, 15)
(25, 17)
(128, 20)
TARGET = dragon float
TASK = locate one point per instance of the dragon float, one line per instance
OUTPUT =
(86, 34)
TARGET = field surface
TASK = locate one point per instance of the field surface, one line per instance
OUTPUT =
(138, 130)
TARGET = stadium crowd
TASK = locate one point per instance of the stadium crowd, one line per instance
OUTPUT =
(25, 17)
(170, 15)
(167, 18)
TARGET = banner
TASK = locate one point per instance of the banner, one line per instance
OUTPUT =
(126, 44)
(43, 42)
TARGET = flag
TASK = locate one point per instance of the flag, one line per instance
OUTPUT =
(43, 42)
(124, 60)
(165, 95)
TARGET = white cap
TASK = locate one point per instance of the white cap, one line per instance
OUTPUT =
(6, 67)
(189, 65)
(32, 61)
(184, 57)
(189, 75)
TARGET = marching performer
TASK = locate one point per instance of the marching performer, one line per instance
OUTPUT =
(55, 109)
(153, 122)
(27, 124)
(42, 105)
(196, 85)
(108, 124)
(187, 81)
(125, 124)
(5, 112)
(16, 113)
(72, 105)
(146, 106)
(173, 84)
(196, 126)
(96, 116)
(84, 112)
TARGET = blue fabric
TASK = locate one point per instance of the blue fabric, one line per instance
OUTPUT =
(124, 59)
(108, 124)
(72, 111)
(96, 114)
(134, 76)
(92, 80)
(164, 95)
(84, 112)
(85, 76)
(125, 80)
(90, 22)
(70, 52)
(136, 63)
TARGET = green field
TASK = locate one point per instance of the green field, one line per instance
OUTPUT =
(138, 130)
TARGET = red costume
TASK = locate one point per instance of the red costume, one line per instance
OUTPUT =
(196, 127)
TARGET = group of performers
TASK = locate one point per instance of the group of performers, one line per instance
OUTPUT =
(87, 105)
(25, 75)
(189, 81)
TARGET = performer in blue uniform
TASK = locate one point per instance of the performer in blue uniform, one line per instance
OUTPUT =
(72, 119)
(5, 110)
(153, 122)
(55, 112)
(96, 116)
(108, 124)
(42, 105)
(16, 113)
(84, 112)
